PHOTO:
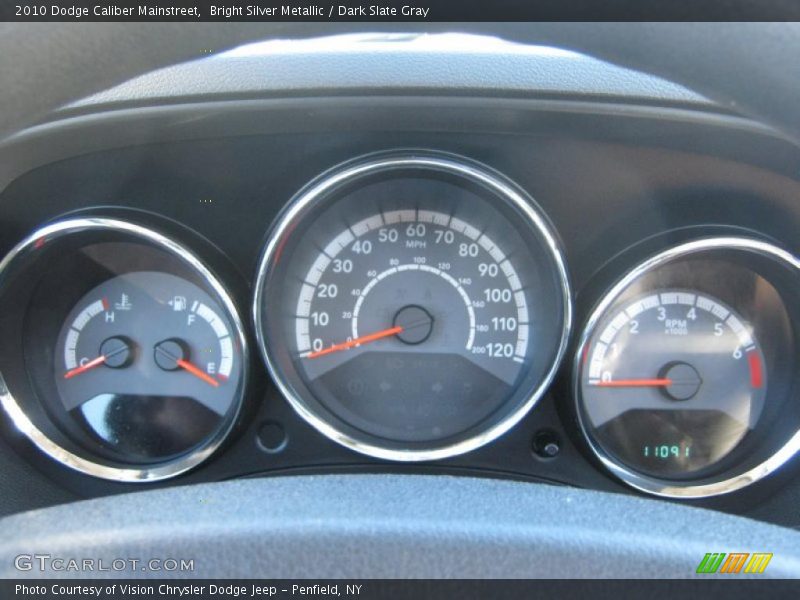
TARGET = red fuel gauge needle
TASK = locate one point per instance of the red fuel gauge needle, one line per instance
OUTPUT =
(83, 368)
(187, 366)
(364, 339)
(635, 383)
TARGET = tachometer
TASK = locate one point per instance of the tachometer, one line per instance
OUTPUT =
(685, 374)
(424, 305)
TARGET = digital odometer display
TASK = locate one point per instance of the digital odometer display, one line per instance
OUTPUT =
(424, 305)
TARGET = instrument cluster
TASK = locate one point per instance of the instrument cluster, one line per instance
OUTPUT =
(410, 307)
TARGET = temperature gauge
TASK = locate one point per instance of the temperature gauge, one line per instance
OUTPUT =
(134, 359)
(141, 347)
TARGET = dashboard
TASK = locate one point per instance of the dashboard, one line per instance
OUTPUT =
(583, 284)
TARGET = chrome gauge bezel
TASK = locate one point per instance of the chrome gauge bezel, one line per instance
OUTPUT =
(653, 485)
(149, 473)
(317, 191)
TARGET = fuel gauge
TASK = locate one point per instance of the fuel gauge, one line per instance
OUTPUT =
(123, 355)
(147, 365)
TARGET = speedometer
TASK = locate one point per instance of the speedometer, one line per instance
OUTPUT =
(412, 307)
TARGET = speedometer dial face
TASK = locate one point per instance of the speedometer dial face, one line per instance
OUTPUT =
(427, 306)
(369, 304)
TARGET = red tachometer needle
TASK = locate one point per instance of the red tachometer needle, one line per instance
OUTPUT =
(635, 383)
(187, 366)
(83, 368)
(364, 339)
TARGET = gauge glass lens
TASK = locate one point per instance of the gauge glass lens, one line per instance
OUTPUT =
(673, 382)
(419, 308)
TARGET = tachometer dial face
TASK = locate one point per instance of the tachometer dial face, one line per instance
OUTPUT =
(422, 307)
(674, 380)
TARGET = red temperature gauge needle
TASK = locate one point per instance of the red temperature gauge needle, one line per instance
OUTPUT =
(83, 368)
(635, 383)
(364, 339)
(187, 366)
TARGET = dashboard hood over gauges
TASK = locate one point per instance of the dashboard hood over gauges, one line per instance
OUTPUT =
(724, 61)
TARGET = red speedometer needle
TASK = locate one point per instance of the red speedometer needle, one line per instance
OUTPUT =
(364, 339)
(187, 366)
(83, 368)
(635, 383)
